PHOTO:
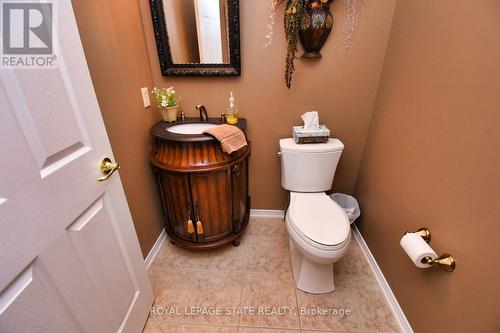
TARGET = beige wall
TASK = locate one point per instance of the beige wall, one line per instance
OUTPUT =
(115, 49)
(432, 159)
(341, 86)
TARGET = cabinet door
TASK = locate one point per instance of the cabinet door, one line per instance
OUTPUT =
(239, 184)
(175, 188)
(211, 193)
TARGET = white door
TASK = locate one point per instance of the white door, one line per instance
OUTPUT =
(209, 31)
(69, 256)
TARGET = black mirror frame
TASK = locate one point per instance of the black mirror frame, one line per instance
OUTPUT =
(169, 68)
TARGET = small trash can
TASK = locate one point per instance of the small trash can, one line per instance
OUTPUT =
(349, 204)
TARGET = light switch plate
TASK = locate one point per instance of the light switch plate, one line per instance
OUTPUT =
(145, 97)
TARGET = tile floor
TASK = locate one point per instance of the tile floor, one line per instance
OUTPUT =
(250, 289)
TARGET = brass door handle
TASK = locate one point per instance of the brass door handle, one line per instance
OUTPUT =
(107, 168)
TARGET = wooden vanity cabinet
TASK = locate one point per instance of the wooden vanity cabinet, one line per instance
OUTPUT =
(211, 197)
(239, 179)
(176, 199)
(201, 185)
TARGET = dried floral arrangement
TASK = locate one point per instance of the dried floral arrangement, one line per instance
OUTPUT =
(293, 14)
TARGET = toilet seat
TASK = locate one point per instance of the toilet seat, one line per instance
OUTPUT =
(318, 220)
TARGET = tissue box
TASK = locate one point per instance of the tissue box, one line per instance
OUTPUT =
(321, 135)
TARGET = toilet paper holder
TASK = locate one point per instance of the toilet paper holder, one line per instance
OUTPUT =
(423, 232)
(445, 261)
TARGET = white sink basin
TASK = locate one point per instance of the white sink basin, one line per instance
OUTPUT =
(193, 128)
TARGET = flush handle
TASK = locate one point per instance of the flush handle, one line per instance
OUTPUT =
(107, 168)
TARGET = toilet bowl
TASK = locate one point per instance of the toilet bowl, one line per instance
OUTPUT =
(318, 228)
(319, 233)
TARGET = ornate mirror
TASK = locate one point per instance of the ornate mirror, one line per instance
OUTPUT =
(197, 37)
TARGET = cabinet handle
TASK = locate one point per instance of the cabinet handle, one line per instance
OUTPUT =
(190, 226)
(237, 225)
(236, 169)
(199, 228)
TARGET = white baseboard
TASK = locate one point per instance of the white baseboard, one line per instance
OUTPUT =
(155, 249)
(267, 213)
(386, 289)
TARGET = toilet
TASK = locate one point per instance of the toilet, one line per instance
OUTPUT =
(318, 229)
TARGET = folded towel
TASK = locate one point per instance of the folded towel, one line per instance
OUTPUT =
(231, 138)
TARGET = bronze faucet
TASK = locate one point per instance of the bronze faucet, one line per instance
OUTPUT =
(203, 113)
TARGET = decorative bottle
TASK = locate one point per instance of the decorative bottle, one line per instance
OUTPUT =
(232, 111)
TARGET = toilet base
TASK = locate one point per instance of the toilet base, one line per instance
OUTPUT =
(309, 276)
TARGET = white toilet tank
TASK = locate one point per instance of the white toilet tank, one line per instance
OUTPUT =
(309, 167)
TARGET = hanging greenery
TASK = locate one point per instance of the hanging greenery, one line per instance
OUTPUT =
(294, 11)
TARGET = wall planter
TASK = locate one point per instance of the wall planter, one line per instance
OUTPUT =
(315, 26)
(311, 22)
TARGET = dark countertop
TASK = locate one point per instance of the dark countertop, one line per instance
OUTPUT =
(159, 130)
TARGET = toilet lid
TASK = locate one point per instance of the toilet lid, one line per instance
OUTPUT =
(319, 218)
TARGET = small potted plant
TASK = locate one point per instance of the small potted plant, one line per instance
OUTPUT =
(168, 102)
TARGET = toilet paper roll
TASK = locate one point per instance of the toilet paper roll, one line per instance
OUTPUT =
(416, 248)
